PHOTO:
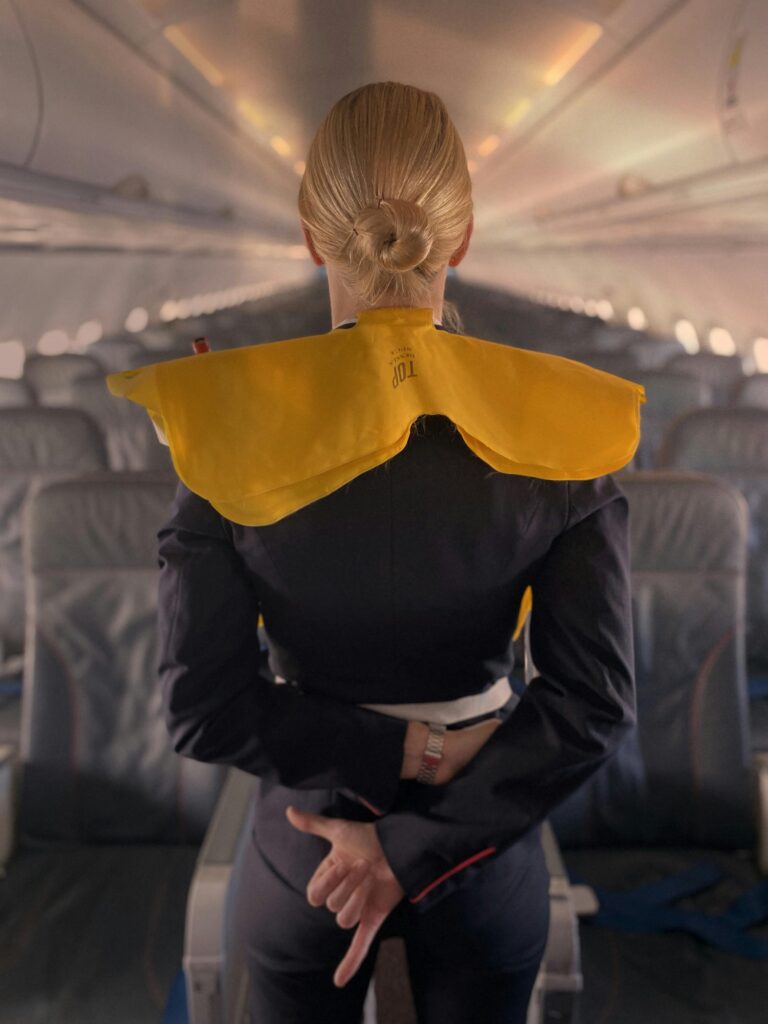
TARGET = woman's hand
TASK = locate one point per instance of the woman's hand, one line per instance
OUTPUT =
(354, 880)
(459, 748)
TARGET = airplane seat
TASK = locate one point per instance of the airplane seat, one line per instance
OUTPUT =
(147, 356)
(653, 351)
(669, 394)
(731, 442)
(51, 377)
(607, 337)
(172, 335)
(15, 393)
(131, 441)
(114, 353)
(619, 363)
(36, 444)
(109, 819)
(723, 373)
(674, 815)
(752, 390)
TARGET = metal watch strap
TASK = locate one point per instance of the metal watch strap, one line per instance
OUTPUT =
(433, 753)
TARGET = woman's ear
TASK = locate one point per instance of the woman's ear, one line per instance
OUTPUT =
(461, 252)
(311, 246)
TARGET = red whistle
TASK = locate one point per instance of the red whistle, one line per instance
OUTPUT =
(201, 345)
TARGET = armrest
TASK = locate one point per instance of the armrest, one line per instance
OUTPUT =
(560, 979)
(214, 966)
(8, 802)
(760, 767)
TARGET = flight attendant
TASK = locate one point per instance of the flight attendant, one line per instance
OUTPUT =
(401, 781)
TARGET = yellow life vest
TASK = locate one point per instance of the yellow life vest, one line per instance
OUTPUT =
(263, 430)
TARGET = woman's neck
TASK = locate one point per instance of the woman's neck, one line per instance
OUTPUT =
(345, 306)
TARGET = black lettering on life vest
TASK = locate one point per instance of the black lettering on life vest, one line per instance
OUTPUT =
(402, 371)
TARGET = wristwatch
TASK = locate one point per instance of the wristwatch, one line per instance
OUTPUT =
(433, 753)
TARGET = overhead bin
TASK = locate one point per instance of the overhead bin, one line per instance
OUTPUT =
(112, 119)
(18, 120)
(744, 91)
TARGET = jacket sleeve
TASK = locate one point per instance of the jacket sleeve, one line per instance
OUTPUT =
(219, 703)
(572, 718)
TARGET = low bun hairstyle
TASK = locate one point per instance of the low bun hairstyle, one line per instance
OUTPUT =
(386, 193)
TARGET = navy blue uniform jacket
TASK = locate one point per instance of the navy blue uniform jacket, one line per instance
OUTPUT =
(401, 586)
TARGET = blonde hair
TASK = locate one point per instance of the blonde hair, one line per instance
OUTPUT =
(386, 193)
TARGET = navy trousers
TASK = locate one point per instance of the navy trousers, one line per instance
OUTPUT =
(473, 956)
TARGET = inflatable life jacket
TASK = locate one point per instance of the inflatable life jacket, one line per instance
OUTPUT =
(263, 430)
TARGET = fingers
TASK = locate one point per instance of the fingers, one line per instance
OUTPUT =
(353, 909)
(357, 952)
(320, 887)
(305, 821)
(347, 886)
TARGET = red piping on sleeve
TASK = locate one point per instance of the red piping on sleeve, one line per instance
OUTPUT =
(442, 878)
(370, 806)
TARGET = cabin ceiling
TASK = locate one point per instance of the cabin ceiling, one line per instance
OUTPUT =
(292, 60)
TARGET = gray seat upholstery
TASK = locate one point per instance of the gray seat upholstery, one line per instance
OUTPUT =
(109, 819)
(732, 443)
(682, 792)
(622, 364)
(51, 377)
(14, 393)
(752, 391)
(35, 444)
(722, 373)
(131, 441)
(115, 353)
(668, 394)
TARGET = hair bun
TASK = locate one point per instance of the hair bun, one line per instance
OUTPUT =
(395, 234)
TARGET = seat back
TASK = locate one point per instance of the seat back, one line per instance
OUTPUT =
(683, 777)
(35, 443)
(732, 443)
(51, 377)
(722, 373)
(115, 353)
(668, 394)
(14, 393)
(131, 441)
(97, 762)
(752, 390)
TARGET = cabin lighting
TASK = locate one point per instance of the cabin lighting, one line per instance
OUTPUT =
(518, 112)
(721, 341)
(169, 310)
(637, 319)
(89, 332)
(280, 145)
(137, 319)
(686, 334)
(573, 54)
(760, 352)
(202, 64)
(12, 358)
(488, 145)
(53, 343)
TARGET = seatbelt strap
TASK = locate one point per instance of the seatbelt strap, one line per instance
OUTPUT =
(646, 909)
